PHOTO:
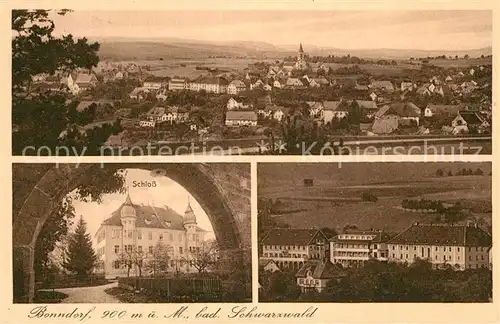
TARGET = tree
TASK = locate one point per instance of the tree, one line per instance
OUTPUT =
(35, 50)
(450, 174)
(439, 173)
(478, 172)
(54, 229)
(158, 262)
(204, 256)
(81, 257)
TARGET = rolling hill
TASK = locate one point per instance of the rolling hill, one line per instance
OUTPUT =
(172, 48)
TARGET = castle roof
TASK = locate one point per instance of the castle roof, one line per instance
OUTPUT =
(189, 216)
(301, 50)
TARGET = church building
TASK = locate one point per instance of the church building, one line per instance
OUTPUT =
(136, 229)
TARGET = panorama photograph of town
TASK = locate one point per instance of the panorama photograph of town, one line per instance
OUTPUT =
(131, 233)
(375, 232)
(251, 82)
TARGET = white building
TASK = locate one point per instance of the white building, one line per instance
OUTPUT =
(139, 228)
(241, 118)
(354, 248)
(460, 246)
(292, 248)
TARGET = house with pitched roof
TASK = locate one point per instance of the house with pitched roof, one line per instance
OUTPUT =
(135, 229)
(442, 111)
(382, 85)
(236, 86)
(334, 109)
(460, 246)
(241, 118)
(355, 247)
(153, 82)
(209, 84)
(465, 121)
(292, 247)
(268, 265)
(238, 103)
(314, 275)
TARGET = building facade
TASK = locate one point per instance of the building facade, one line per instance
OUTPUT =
(137, 230)
(354, 248)
(460, 246)
(291, 248)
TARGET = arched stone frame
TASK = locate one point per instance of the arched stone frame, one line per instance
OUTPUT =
(221, 189)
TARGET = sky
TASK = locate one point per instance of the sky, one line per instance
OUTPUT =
(167, 192)
(426, 30)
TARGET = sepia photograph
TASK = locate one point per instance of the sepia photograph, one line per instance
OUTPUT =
(131, 233)
(375, 232)
(300, 82)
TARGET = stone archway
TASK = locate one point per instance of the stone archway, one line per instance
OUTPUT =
(222, 190)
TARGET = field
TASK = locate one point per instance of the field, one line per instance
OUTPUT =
(461, 63)
(336, 203)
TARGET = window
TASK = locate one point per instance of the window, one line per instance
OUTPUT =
(116, 264)
(375, 254)
(301, 281)
(394, 255)
(436, 257)
(181, 250)
(407, 248)
(406, 256)
(477, 249)
(161, 237)
(150, 235)
(458, 249)
(401, 256)
(470, 258)
(139, 234)
(449, 249)
(117, 249)
(482, 257)
(139, 249)
(130, 234)
(436, 248)
(171, 236)
(414, 248)
(393, 247)
(151, 249)
(375, 246)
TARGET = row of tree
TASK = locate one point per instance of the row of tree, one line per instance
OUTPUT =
(461, 172)
(386, 282)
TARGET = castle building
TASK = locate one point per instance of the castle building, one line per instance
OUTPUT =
(301, 63)
(137, 230)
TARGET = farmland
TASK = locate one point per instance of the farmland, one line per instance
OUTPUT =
(337, 203)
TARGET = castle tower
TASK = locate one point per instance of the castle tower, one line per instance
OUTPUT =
(189, 217)
(128, 218)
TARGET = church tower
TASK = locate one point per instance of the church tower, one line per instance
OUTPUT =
(301, 63)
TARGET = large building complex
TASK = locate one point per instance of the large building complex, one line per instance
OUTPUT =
(138, 229)
(317, 259)
(461, 246)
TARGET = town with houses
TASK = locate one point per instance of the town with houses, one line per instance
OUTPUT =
(345, 100)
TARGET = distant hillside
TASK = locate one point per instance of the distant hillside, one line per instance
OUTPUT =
(147, 48)
(274, 174)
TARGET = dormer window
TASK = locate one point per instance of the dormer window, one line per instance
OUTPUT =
(168, 223)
